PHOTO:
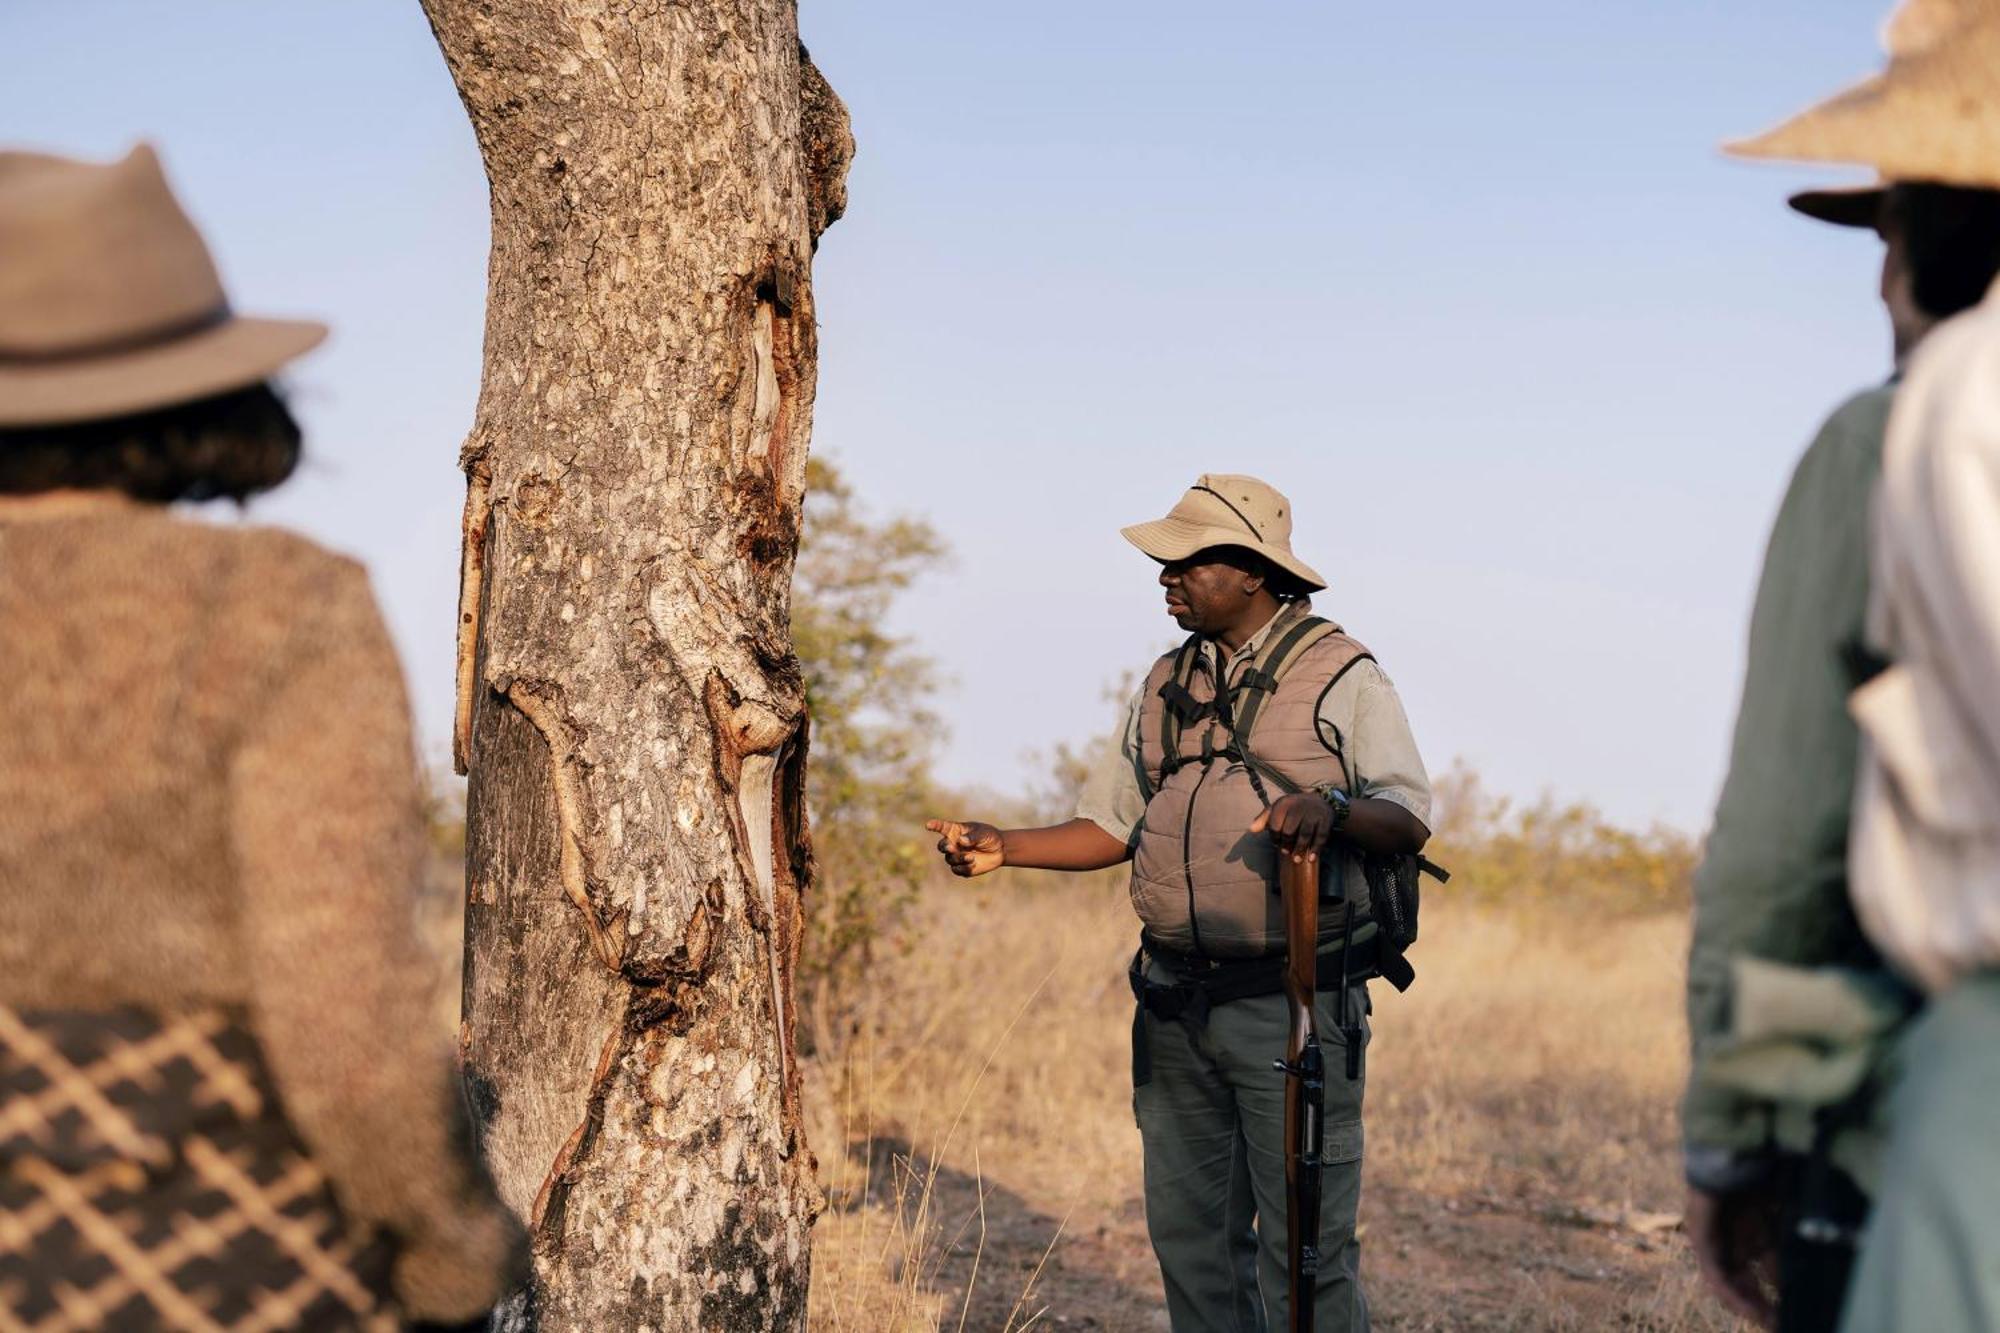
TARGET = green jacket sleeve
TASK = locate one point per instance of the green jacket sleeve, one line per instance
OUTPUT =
(1773, 881)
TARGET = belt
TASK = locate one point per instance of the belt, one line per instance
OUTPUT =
(1205, 983)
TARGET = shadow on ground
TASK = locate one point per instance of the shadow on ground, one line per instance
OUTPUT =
(1001, 1262)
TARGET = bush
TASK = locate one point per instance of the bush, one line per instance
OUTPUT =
(873, 734)
(1551, 854)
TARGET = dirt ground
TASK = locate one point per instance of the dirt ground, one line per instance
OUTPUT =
(973, 1125)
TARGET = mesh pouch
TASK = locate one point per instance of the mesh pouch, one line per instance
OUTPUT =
(1393, 895)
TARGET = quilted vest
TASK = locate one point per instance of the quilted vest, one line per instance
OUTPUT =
(1201, 881)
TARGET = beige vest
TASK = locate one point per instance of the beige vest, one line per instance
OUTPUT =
(1201, 881)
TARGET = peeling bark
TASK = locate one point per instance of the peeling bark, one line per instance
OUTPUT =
(630, 710)
(471, 572)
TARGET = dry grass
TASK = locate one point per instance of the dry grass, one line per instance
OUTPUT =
(972, 1117)
(975, 1135)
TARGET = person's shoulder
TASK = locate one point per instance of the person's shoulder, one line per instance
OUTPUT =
(272, 574)
(1361, 677)
(1336, 653)
(196, 551)
(1161, 665)
(1970, 337)
(1955, 367)
(284, 553)
(284, 547)
(1860, 419)
(1342, 666)
(1847, 451)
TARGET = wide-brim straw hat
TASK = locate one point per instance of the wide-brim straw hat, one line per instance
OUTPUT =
(109, 301)
(1932, 115)
(1222, 509)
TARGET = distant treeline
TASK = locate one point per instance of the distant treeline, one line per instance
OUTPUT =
(1548, 853)
(871, 787)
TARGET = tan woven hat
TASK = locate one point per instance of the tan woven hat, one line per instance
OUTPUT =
(1932, 115)
(1224, 510)
(109, 302)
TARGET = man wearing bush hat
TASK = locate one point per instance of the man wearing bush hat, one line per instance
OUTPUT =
(1203, 815)
(1794, 1014)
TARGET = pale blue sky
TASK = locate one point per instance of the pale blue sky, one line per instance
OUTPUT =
(1470, 280)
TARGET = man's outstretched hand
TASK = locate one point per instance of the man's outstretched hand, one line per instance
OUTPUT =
(969, 848)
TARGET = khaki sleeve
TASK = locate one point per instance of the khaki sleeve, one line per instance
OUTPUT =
(327, 831)
(1366, 714)
(1112, 796)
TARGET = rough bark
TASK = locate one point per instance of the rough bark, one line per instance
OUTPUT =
(631, 712)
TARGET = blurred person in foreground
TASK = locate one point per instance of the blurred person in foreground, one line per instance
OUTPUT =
(1335, 767)
(1797, 1021)
(224, 1102)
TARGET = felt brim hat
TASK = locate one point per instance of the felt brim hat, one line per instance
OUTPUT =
(233, 354)
(109, 302)
(1221, 509)
(1933, 115)
(1852, 206)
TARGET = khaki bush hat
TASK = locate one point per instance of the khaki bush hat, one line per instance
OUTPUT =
(1225, 510)
(1932, 115)
(109, 302)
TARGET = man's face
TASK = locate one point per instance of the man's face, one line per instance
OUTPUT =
(1210, 590)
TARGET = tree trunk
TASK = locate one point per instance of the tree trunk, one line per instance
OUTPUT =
(630, 708)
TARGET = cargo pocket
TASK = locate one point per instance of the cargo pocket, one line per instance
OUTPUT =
(1342, 1143)
(1340, 1196)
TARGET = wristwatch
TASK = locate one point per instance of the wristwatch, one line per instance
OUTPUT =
(1336, 798)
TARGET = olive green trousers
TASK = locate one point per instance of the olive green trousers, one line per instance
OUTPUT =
(1930, 1257)
(1212, 1118)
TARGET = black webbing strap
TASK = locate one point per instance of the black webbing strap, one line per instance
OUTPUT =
(1181, 707)
(1259, 681)
(1256, 683)
(1289, 648)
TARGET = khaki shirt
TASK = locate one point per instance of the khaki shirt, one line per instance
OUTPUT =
(1362, 709)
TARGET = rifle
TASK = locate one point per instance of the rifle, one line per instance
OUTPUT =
(1305, 1082)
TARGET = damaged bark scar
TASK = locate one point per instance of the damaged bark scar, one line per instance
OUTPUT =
(788, 890)
(471, 581)
(750, 738)
(760, 760)
(545, 1220)
(569, 816)
(668, 993)
(826, 137)
(742, 727)
(771, 538)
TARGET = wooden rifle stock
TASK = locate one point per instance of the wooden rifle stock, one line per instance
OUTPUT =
(1305, 1083)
